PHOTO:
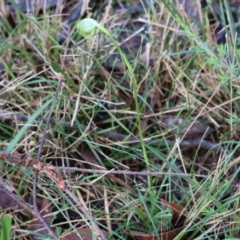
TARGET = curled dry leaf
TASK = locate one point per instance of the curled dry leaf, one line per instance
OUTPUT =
(178, 217)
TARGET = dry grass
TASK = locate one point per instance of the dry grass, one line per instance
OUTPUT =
(180, 76)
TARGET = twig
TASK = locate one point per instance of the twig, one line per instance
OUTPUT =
(126, 172)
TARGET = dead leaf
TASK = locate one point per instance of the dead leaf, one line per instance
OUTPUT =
(177, 213)
(6, 202)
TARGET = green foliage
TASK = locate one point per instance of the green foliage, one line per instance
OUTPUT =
(6, 224)
(91, 30)
(24, 128)
(189, 78)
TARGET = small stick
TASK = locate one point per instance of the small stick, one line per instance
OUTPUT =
(127, 172)
(41, 144)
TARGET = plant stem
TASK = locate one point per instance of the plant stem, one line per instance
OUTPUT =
(134, 87)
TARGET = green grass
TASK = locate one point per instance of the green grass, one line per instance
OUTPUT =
(191, 79)
(6, 223)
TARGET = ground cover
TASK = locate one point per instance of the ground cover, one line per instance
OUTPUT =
(96, 143)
